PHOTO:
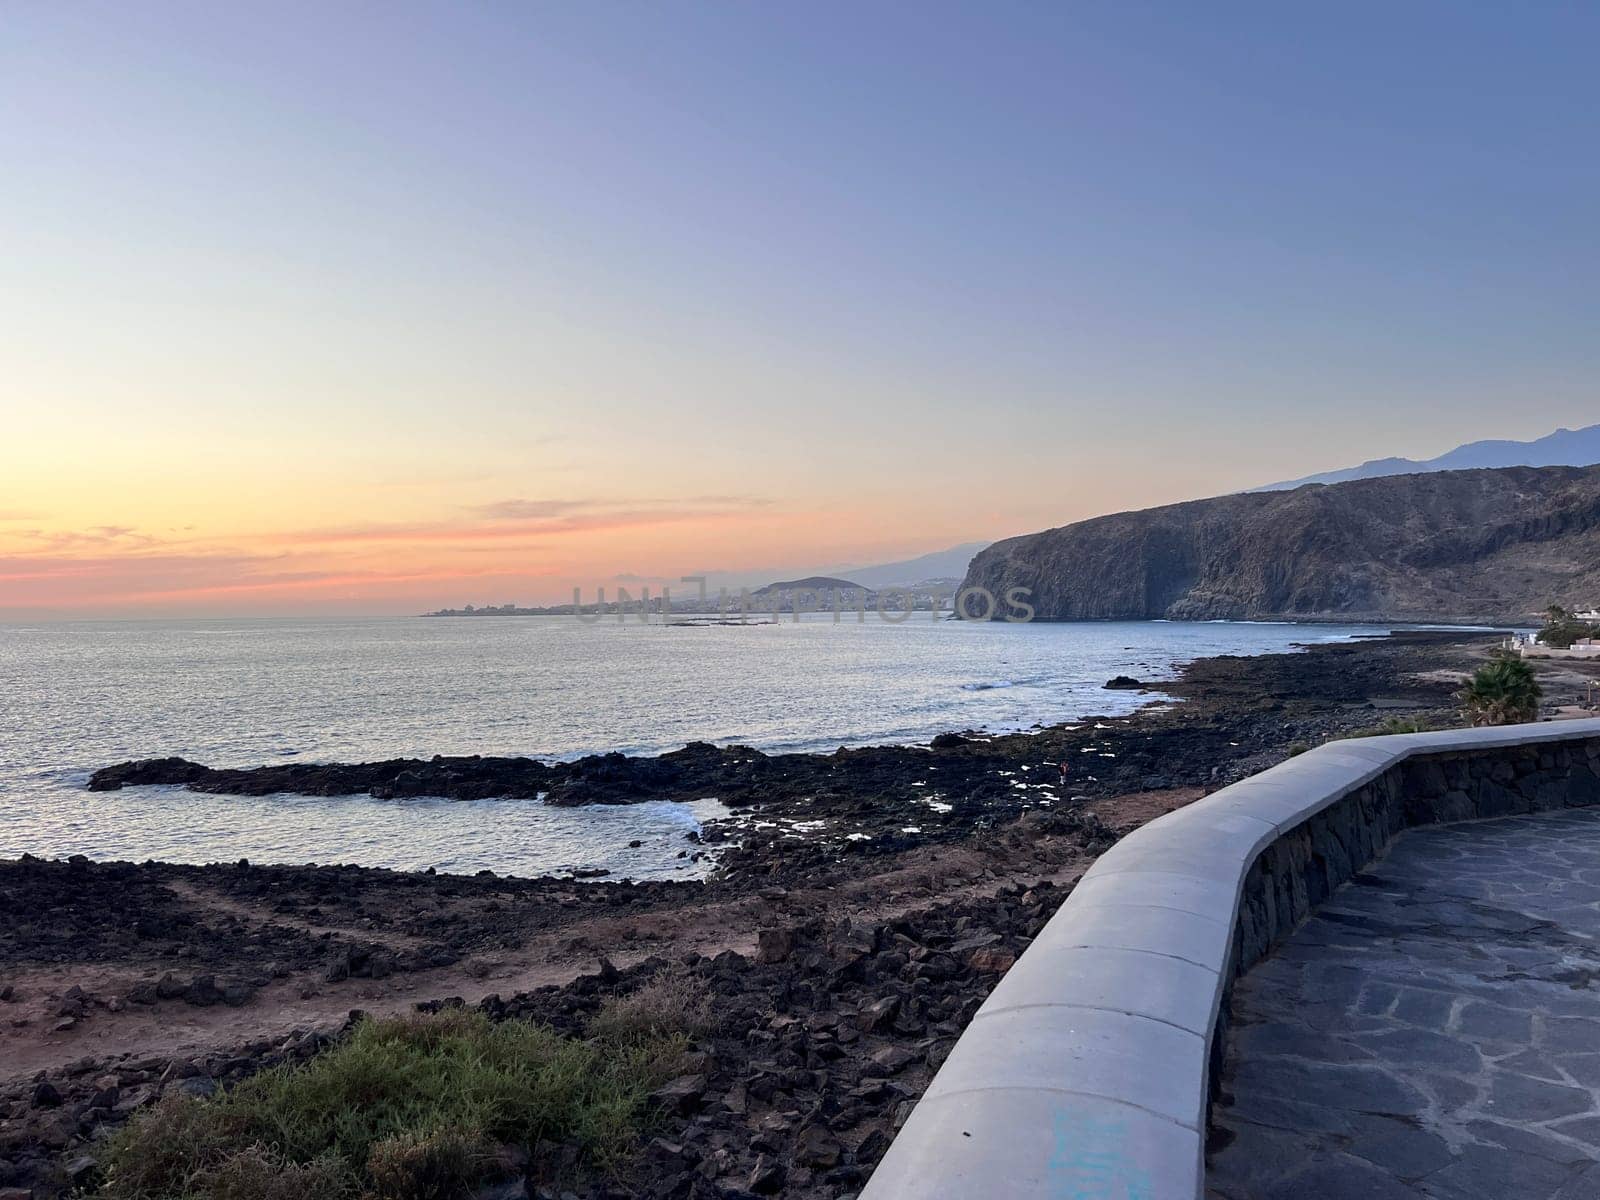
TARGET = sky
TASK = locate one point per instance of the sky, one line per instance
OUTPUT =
(373, 308)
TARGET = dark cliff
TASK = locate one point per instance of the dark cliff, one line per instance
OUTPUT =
(1477, 546)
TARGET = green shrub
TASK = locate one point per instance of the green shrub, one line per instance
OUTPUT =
(403, 1109)
(1562, 629)
(1504, 691)
(1564, 635)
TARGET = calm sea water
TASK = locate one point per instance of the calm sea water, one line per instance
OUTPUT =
(240, 693)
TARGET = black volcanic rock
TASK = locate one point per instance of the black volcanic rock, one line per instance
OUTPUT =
(147, 770)
(1475, 546)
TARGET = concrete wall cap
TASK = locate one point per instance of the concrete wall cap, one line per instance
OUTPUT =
(1171, 990)
(1117, 1056)
(1202, 939)
(1155, 888)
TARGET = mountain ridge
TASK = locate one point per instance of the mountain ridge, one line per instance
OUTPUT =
(1563, 448)
(941, 564)
(1478, 547)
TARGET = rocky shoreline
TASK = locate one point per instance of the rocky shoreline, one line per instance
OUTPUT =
(1234, 710)
(840, 961)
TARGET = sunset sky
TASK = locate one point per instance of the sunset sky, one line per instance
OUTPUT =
(348, 308)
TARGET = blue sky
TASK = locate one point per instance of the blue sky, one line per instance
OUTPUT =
(880, 277)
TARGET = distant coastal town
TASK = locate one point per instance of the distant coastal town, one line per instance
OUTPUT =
(792, 596)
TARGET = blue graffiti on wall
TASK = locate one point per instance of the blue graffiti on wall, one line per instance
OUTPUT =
(1091, 1161)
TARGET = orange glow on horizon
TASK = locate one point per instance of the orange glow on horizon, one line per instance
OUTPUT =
(408, 567)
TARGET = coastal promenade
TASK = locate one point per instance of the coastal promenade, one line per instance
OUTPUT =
(1433, 1031)
(1367, 972)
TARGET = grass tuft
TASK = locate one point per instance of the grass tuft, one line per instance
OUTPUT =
(256, 1173)
(1394, 725)
(667, 1004)
(404, 1109)
(426, 1166)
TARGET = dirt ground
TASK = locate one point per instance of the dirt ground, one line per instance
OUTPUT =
(300, 999)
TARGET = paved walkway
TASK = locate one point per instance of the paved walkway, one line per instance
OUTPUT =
(1434, 1031)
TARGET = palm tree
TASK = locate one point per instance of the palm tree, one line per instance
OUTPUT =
(1502, 692)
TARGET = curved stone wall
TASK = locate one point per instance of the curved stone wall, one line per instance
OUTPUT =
(1087, 1072)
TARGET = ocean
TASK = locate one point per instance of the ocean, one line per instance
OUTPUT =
(82, 695)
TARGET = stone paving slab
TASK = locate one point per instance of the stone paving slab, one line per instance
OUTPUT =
(1432, 1031)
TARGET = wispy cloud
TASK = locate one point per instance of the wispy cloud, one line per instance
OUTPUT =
(733, 501)
(465, 534)
(521, 509)
(96, 536)
(518, 510)
(137, 579)
(119, 572)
